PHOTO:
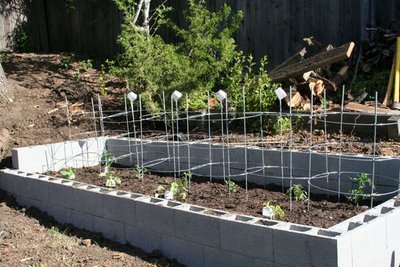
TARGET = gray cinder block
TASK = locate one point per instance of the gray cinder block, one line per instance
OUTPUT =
(187, 253)
(88, 199)
(60, 214)
(297, 248)
(199, 228)
(142, 238)
(120, 207)
(109, 229)
(247, 239)
(82, 220)
(154, 217)
(60, 194)
(216, 258)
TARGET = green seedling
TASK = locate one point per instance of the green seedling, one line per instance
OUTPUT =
(107, 159)
(112, 180)
(159, 191)
(282, 125)
(362, 182)
(186, 177)
(233, 187)
(139, 171)
(298, 192)
(276, 212)
(69, 173)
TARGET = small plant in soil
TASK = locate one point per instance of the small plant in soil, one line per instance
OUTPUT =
(111, 179)
(160, 191)
(107, 159)
(282, 124)
(275, 211)
(69, 173)
(298, 192)
(232, 186)
(179, 190)
(186, 176)
(358, 193)
(139, 171)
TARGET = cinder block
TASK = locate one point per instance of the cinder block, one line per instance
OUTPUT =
(263, 263)
(301, 249)
(154, 217)
(187, 253)
(142, 238)
(60, 214)
(60, 194)
(247, 239)
(88, 199)
(109, 229)
(214, 257)
(368, 240)
(120, 207)
(392, 228)
(38, 189)
(29, 202)
(199, 228)
(82, 220)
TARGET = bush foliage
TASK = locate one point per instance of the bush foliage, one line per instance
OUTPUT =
(205, 58)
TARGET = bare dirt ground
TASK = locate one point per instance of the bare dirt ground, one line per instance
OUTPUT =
(37, 116)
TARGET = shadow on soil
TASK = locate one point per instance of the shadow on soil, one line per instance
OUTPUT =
(47, 221)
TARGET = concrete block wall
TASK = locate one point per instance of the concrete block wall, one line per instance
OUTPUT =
(158, 156)
(53, 157)
(198, 236)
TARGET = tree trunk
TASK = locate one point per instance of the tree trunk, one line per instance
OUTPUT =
(4, 88)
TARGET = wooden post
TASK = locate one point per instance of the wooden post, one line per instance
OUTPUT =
(390, 84)
(396, 103)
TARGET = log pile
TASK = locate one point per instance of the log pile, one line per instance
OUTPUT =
(313, 75)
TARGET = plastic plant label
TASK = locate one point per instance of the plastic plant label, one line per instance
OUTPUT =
(280, 93)
(267, 212)
(169, 195)
(176, 95)
(132, 96)
(221, 95)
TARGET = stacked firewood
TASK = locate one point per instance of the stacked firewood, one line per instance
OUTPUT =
(312, 76)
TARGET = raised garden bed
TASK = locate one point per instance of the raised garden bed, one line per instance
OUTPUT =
(324, 212)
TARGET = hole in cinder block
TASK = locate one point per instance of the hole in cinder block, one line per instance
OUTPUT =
(30, 174)
(386, 210)
(76, 184)
(353, 225)
(328, 233)
(53, 179)
(214, 212)
(20, 172)
(120, 193)
(243, 218)
(42, 176)
(299, 228)
(104, 190)
(173, 204)
(155, 200)
(396, 203)
(368, 218)
(90, 187)
(196, 209)
(135, 196)
(65, 181)
(266, 223)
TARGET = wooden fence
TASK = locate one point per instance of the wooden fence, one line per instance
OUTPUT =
(272, 27)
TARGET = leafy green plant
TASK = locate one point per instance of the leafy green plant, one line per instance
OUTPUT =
(139, 171)
(69, 173)
(159, 191)
(107, 158)
(276, 211)
(233, 187)
(282, 124)
(362, 183)
(186, 177)
(83, 66)
(298, 192)
(112, 180)
(179, 190)
(324, 103)
(66, 61)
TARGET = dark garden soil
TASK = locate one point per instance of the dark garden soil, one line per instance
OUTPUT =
(323, 213)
